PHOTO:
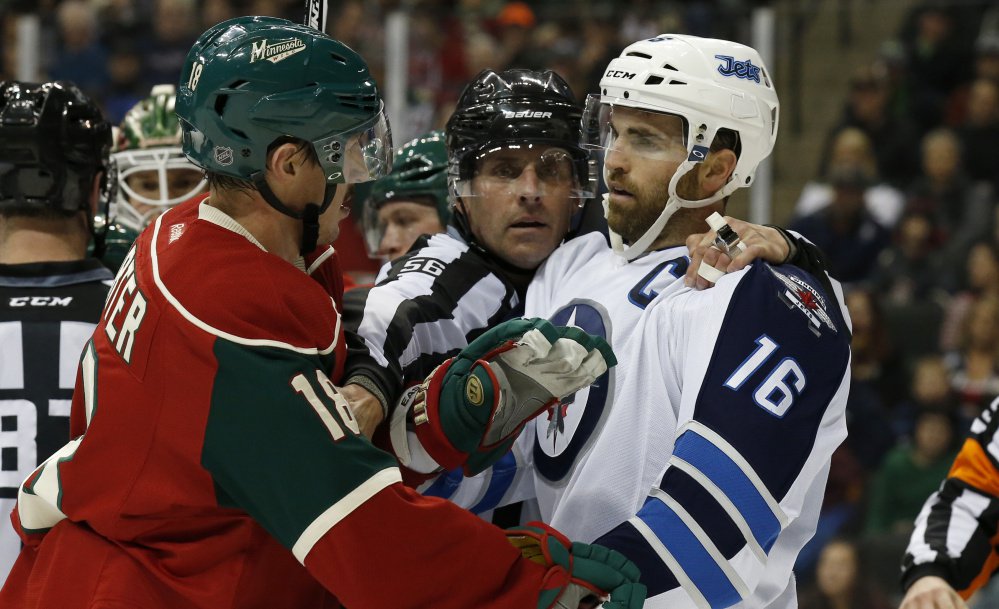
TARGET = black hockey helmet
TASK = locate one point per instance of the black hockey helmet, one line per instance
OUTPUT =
(53, 141)
(515, 107)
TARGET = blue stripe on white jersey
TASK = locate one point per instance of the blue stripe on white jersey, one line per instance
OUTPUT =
(694, 560)
(731, 480)
(445, 485)
(503, 473)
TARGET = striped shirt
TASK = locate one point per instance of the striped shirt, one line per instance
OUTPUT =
(956, 531)
(425, 308)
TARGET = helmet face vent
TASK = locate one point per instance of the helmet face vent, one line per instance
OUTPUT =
(339, 58)
(637, 54)
(677, 82)
(220, 103)
(667, 66)
(241, 134)
(237, 84)
(654, 80)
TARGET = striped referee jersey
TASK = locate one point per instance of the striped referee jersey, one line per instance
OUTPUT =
(957, 530)
(428, 306)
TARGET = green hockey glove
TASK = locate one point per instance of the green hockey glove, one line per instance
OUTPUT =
(468, 412)
(578, 570)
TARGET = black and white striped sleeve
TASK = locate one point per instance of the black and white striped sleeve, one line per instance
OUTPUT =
(433, 302)
(957, 530)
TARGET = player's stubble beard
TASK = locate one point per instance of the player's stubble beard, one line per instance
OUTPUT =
(632, 223)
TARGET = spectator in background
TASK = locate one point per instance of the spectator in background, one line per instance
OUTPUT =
(515, 26)
(876, 380)
(173, 32)
(81, 57)
(840, 581)
(939, 60)
(911, 471)
(980, 131)
(981, 270)
(845, 230)
(852, 150)
(959, 208)
(929, 389)
(125, 71)
(975, 365)
(907, 271)
(894, 137)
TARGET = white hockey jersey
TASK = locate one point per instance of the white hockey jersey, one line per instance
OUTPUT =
(703, 455)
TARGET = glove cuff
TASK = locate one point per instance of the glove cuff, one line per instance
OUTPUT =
(425, 413)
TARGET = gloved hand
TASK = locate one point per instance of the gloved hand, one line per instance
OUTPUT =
(468, 412)
(578, 570)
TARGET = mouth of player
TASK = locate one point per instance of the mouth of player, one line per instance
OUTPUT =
(619, 193)
(528, 225)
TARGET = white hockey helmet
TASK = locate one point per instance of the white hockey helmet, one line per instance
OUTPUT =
(148, 144)
(711, 84)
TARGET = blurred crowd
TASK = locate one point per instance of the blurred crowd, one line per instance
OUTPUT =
(903, 202)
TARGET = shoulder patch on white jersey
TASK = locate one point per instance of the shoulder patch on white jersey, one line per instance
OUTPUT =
(798, 294)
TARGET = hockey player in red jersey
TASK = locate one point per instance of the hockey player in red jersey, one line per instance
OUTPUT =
(214, 463)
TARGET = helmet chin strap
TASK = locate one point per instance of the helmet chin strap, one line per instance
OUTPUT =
(309, 216)
(631, 251)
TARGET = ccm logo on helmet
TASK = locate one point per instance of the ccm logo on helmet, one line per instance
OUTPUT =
(740, 69)
(526, 114)
(619, 74)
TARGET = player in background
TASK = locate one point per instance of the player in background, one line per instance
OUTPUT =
(153, 173)
(952, 551)
(214, 463)
(728, 402)
(54, 145)
(409, 202)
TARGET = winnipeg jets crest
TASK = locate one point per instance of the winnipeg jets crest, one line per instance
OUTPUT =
(566, 430)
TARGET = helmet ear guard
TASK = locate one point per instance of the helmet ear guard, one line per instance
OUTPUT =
(713, 85)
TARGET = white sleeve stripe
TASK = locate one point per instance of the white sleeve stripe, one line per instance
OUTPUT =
(473, 311)
(706, 541)
(730, 451)
(341, 509)
(964, 515)
(671, 562)
(726, 504)
(918, 548)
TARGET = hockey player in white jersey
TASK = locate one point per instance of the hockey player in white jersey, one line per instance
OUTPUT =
(704, 456)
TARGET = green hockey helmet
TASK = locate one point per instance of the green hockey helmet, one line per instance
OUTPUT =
(153, 173)
(251, 82)
(419, 174)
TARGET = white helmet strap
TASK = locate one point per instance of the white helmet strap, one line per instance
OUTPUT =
(674, 203)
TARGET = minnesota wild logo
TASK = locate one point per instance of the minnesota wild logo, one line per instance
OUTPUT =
(276, 50)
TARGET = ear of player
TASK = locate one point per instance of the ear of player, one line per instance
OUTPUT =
(578, 570)
(471, 408)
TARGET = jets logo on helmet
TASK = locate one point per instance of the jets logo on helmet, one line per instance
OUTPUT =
(711, 85)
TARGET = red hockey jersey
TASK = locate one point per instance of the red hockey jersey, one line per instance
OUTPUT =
(216, 466)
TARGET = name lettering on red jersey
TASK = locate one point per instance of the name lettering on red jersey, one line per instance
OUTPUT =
(124, 309)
